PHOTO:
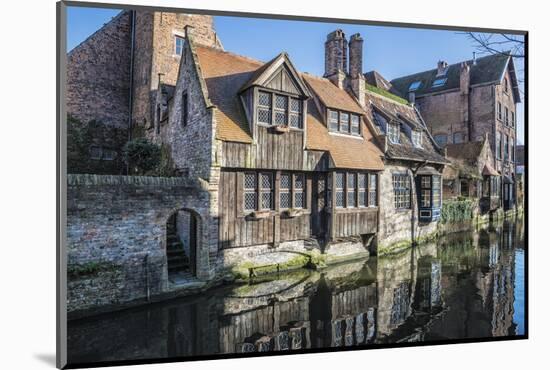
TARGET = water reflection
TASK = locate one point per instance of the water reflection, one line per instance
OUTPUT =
(466, 286)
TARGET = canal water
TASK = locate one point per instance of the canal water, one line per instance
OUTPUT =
(466, 285)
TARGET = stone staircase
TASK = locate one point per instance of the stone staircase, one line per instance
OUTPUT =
(178, 261)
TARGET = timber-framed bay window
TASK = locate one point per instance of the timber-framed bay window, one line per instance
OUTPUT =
(429, 191)
(279, 109)
(401, 191)
(343, 122)
(261, 189)
(355, 190)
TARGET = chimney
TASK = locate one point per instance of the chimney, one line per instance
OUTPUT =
(464, 78)
(442, 67)
(357, 79)
(336, 56)
(355, 55)
(412, 97)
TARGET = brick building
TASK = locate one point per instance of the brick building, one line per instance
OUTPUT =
(113, 77)
(465, 101)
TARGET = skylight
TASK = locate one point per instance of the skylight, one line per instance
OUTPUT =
(439, 82)
(414, 86)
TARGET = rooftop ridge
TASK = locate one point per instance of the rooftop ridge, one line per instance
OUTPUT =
(249, 59)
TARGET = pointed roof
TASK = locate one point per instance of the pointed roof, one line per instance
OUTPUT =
(374, 78)
(264, 73)
(224, 74)
(486, 70)
(332, 96)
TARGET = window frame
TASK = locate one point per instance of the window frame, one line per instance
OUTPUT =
(498, 145)
(273, 109)
(441, 136)
(263, 190)
(393, 126)
(417, 143)
(416, 84)
(499, 111)
(401, 191)
(336, 122)
(250, 190)
(372, 199)
(442, 83)
(176, 39)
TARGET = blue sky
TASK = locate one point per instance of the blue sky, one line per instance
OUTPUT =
(392, 51)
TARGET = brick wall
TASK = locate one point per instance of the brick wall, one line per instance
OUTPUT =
(98, 74)
(118, 224)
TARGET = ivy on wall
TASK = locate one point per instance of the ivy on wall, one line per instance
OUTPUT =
(460, 210)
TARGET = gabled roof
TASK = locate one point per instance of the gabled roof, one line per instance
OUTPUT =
(488, 69)
(225, 73)
(468, 151)
(332, 96)
(345, 152)
(403, 114)
(264, 73)
(376, 79)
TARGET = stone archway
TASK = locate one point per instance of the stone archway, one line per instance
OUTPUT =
(182, 241)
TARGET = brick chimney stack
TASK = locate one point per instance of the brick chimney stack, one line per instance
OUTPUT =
(336, 56)
(442, 67)
(356, 77)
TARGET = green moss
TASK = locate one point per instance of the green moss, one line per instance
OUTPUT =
(394, 248)
(90, 268)
(313, 260)
(386, 94)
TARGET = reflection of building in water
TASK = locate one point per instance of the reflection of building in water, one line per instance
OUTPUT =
(463, 288)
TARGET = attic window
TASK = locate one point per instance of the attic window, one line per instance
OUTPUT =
(278, 109)
(416, 137)
(343, 122)
(393, 132)
(439, 82)
(415, 85)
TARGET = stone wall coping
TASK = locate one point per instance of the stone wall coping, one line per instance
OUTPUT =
(98, 180)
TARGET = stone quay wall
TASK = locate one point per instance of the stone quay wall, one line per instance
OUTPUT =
(116, 236)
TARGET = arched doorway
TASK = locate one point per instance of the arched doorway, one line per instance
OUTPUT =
(181, 244)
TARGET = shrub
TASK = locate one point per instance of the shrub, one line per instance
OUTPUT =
(142, 156)
(457, 210)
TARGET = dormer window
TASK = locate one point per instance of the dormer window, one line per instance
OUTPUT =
(414, 86)
(393, 132)
(279, 109)
(439, 82)
(343, 122)
(416, 137)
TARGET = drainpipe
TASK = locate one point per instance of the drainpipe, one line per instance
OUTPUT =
(131, 95)
(414, 204)
(148, 289)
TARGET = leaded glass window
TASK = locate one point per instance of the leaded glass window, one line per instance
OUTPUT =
(355, 124)
(425, 191)
(362, 190)
(401, 191)
(250, 192)
(284, 191)
(295, 113)
(281, 106)
(436, 196)
(266, 191)
(339, 189)
(264, 107)
(372, 190)
(351, 190)
(333, 120)
(344, 122)
(393, 132)
(299, 186)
